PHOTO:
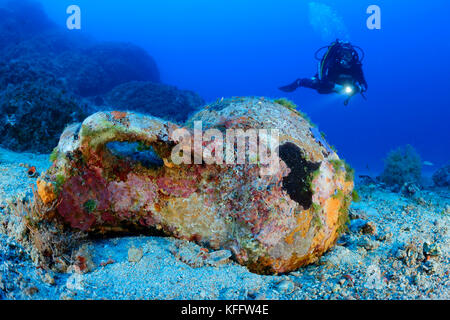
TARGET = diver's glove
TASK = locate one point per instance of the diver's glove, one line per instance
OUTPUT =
(291, 87)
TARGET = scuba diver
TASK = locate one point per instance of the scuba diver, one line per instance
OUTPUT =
(340, 71)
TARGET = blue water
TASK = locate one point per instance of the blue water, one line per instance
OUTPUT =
(227, 48)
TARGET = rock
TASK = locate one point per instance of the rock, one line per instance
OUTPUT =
(33, 116)
(24, 70)
(353, 214)
(418, 279)
(66, 296)
(14, 27)
(369, 228)
(419, 200)
(76, 65)
(229, 294)
(159, 100)
(362, 226)
(274, 216)
(410, 253)
(400, 254)
(107, 262)
(396, 265)
(75, 282)
(83, 262)
(410, 189)
(341, 257)
(220, 257)
(202, 294)
(196, 256)
(49, 279)
(30, 291)
(432, 249)
(441, 178)
(285, 287)
(374, 278)
(97, 69)
(385, 236)
(368, 243)
(44, 69)
(366, 180)
(356, 225)
(189, 253)
(135, 254)
(257, 296)
(430, 266)
(394, 188)
(336, 288)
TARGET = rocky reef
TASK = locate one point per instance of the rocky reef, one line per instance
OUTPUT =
(402, 165)
(272, 223)
(33, 115)
(19, 20)
(159, 100)
(441, 177)
(50, 78)
(96, 69)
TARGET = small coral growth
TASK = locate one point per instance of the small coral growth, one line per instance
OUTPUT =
(286, 103)
(402, 165)
(45, 191)
(292, 106)
(339, 165)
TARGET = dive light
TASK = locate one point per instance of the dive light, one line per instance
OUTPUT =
(348, 90)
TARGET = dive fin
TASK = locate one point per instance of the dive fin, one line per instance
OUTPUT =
(363, 95)
(291, 87)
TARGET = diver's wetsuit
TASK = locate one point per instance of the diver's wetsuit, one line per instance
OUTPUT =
(339, 66)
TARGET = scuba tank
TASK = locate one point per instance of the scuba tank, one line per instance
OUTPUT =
(334, 54)
(344, 54)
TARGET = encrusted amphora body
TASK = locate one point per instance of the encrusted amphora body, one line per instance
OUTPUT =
(272, 223)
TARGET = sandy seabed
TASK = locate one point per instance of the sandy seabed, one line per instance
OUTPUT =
(397, 247)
